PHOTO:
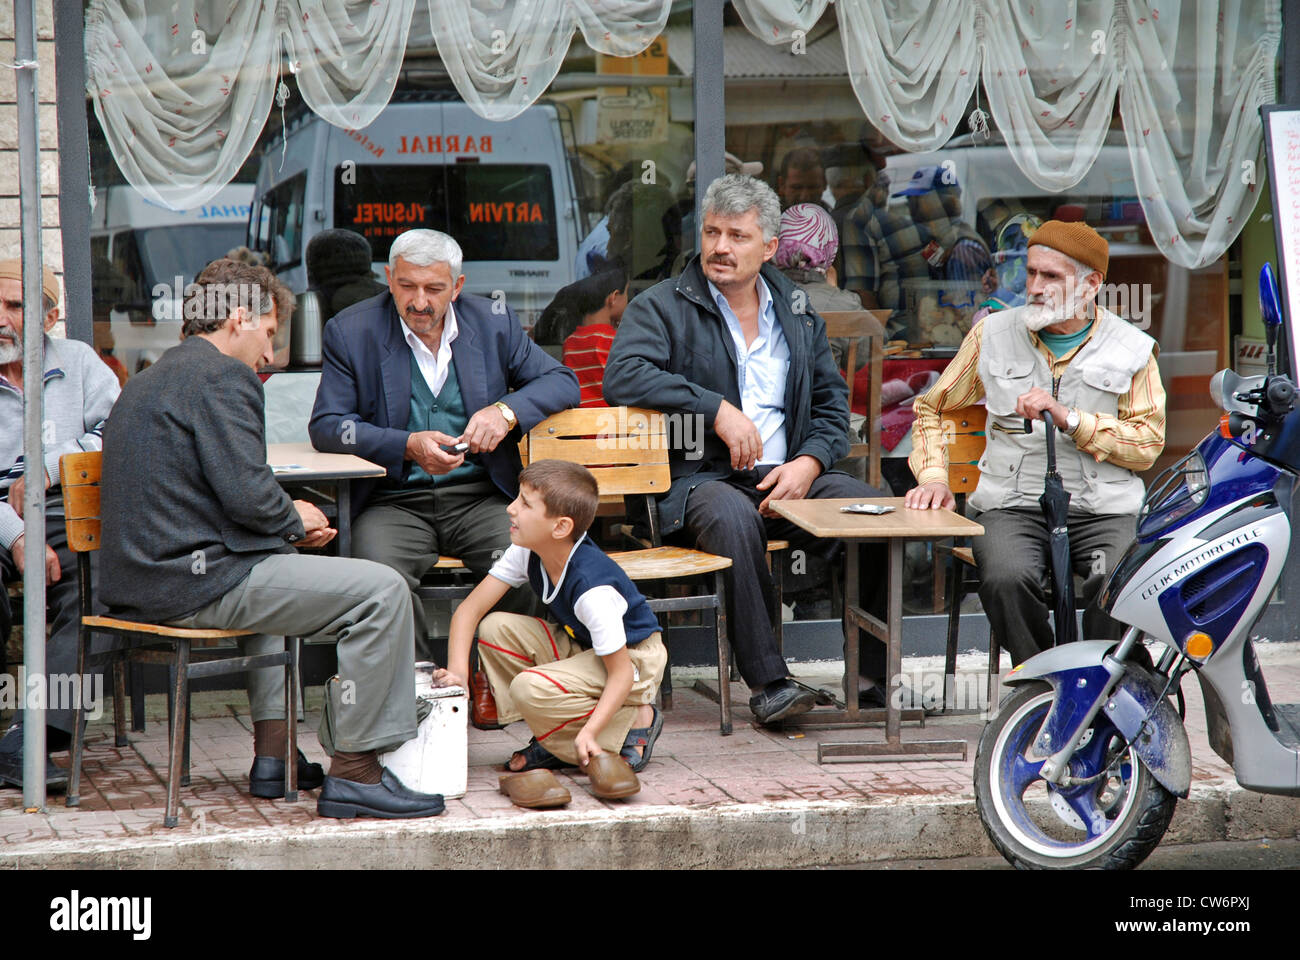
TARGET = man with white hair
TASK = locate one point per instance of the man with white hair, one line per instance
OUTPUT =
(733, 344)
(409, 375)
(79, 391)
(1096, 375)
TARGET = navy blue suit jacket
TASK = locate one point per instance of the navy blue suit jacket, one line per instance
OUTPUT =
(366, 383)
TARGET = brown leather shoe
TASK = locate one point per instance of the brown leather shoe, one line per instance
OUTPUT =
(611, 777)
(534, 789)
(482, 705)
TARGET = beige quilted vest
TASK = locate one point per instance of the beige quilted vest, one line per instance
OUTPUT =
(1014, 464)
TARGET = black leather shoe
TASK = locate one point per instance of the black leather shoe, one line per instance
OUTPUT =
(266, 779)
(11, 772)
(780, 700)
(388, 799)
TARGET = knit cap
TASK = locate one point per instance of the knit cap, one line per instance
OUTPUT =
(1076, 240)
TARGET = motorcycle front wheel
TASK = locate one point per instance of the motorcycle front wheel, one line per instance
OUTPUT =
(1112, 822)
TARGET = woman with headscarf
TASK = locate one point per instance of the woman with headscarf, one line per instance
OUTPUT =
(808, 243)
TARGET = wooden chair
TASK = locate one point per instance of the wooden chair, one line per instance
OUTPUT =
(964, 438)
(626, 448)
(154, 643)
(853, 325)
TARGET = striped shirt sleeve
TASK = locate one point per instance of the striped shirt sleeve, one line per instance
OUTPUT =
(958, 386)
(1135, 436)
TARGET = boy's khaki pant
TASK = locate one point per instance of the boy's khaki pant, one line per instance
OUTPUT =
(540, 675)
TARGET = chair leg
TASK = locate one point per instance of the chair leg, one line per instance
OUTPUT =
(956, 590)
(778, 600)
(724, 652)
(137, 697)
(73, 799)
(995, 668)
(179, 688)
(185, 750)
(291, 716)
(666, 686)
(119, 702)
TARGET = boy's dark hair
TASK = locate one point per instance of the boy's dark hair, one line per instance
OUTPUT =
(567, 489)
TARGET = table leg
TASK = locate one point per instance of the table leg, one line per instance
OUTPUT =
(345, 517)
(853, 632)
(894, 648)
(893, 749)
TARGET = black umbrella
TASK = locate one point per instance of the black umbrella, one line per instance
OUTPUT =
(1055, 502)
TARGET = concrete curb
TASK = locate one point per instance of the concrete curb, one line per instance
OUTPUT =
(726, 836)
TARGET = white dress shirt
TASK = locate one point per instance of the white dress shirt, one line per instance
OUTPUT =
(761, 371)
(433, 366)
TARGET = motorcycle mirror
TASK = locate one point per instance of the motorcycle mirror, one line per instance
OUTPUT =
(1271, 307)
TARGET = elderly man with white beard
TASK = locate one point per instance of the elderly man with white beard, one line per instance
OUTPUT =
(1096, 375)
(79, 391)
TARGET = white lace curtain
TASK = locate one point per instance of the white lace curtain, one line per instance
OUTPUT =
(1052, 70)
(183, 94)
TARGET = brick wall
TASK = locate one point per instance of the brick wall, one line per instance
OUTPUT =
(10, 218)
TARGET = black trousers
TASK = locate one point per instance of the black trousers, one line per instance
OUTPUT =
(62, 611)
(722, 518)
(1014, 569)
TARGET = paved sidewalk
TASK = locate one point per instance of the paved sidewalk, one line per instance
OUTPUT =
(755, 799)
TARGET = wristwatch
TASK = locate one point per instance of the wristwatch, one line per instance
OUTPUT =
(1072, 421)
(511, 419)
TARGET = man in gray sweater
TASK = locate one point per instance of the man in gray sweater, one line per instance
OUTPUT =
(79, 391)
(198, 533)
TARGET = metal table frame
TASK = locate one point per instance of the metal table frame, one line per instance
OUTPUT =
(857, 622)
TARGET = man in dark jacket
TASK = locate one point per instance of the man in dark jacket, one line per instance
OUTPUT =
(408, 375)
(198, 533)
(724, 343)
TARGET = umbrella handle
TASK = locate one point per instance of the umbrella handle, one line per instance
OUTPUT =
(1051, 441)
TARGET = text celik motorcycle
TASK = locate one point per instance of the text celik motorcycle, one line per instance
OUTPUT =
(1085, 759)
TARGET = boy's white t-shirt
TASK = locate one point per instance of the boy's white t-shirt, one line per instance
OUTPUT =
(600, 609)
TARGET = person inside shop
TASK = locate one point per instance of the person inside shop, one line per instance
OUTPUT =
(437, 386)
(338, 268)
(802, 178)
(585, 682)
(198, 533)
(584, 317)
(1096, 374)
(723, 343)
(79, 392)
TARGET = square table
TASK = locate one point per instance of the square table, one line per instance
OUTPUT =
(823, 518)
(295, 463)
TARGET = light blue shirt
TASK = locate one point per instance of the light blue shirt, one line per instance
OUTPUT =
(761, 369)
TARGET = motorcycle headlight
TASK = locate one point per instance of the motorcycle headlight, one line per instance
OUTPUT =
(1197, 479)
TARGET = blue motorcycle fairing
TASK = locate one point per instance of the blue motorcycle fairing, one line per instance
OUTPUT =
(1162, 746)
(1234, 473)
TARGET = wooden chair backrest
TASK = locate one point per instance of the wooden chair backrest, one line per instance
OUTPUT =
(852, 325)
(626, 448)
(964, 439)
(79, 475)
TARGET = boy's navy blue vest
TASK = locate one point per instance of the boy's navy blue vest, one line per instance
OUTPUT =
(589, 568)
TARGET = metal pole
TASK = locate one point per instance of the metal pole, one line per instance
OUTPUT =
(74, 168)
(29, 189)
(710, 110)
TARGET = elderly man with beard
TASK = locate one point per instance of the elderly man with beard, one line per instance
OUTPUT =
(1097, 376)
(79, 392)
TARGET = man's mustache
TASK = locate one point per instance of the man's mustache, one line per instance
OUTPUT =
(727, 261)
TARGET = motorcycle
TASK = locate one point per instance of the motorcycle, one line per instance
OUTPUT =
(1087, 756)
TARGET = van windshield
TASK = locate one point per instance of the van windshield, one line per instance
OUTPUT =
(183, 251)
(495, 211)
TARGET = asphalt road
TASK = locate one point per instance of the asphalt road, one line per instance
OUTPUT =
(1221, 855)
